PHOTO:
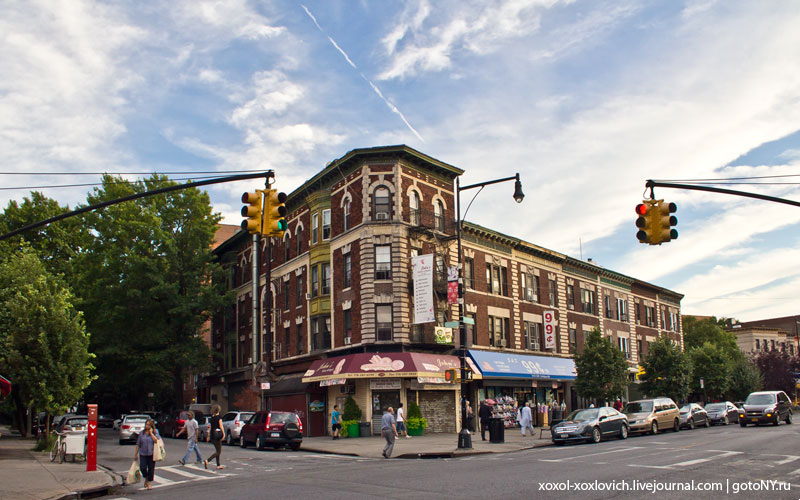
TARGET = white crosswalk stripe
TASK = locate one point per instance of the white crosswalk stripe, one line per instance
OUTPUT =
(161, 480)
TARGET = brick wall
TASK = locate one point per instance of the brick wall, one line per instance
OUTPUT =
(438, 408)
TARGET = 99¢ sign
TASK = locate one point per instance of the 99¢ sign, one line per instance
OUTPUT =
(549, 329)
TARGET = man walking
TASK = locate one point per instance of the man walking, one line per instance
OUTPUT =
(526, 419)
(191, 429)
(401, 422)
(484, 414)
(389, 431)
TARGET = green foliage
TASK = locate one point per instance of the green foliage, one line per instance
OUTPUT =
(745, 378)
(711, 363)
(414, 423)
(351, 411)
(413, 410)
(602, 369)
(667, 370)
(343, 432)
(45, 442)
(776, 369)
(44, 346)
(697, 333)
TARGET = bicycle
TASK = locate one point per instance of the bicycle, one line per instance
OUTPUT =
(59, 448)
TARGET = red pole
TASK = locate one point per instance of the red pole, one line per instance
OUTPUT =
(91, 444)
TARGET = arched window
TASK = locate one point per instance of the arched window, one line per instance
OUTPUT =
(438, 215)
(299, 236)
(414, 208)
(346, 215)
(286, 247)
(381, 204)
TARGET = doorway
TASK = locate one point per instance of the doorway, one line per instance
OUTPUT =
(380, 401)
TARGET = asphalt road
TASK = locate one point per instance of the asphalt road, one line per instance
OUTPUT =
(720, 462)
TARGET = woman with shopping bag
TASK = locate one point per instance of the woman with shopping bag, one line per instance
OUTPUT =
(145, 447)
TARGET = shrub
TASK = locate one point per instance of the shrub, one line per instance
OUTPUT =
(343, 431)
(351, 411)
(414, 423)
(413, 410)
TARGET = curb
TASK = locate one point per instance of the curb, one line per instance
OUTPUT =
(94, 491)
(430, 454)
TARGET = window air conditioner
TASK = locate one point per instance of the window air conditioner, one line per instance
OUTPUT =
(502, 342)
(381, 216)
(308, 296)
(347, 340)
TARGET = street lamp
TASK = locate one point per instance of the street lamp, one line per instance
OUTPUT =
(464, 437)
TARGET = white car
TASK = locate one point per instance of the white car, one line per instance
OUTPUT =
(232, 422)
(130, 427)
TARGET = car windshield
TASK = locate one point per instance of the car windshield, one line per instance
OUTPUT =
(245, 415)
(686, 408)
(78, 421)
(137, 419)
(760, 399)
(715, 407)
(638, 407)
(581, 415)
(281, 418)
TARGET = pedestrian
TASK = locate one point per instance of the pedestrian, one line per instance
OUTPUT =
(216, 433)
(147, 441)
(389, 431)
(591, 405)
(525, 419)
(470, 418)
(191, 429)
(336, 422)
(401, 422)
(618, 405)
(484, 414)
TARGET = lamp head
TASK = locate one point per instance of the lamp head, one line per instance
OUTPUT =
(518, 194)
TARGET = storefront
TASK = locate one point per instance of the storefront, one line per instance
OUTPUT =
(513, 379)
(290, 393)
(380, 380)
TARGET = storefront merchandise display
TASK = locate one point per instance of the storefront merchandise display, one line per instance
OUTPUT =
(505, 407)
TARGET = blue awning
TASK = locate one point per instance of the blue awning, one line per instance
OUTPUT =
(507, 365)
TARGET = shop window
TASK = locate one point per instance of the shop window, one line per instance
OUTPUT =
(530, 287)
(383, 321)
(414, 215)
(346, 215)
(347, 270)
(553, 293)
(383, 262)
(469, 273)
(588, 301)
(326, 224)
(381, 207)
(314, 281)
(314, 228)
(326, 278)
(498, 331)
(496, 279)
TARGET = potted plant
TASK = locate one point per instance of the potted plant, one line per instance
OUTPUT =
(350, 418)
(415, 424)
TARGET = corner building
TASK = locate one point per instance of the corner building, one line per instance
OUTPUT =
(342, 303)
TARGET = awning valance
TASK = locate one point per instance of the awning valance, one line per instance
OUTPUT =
(380, 365)
(5, 386)
(507, 365)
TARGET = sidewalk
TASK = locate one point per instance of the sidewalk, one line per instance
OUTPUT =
(30, 475)
(434, 445)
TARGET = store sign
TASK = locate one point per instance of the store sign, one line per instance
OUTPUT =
(265, 386)
(333, 381)
(385, 384)
(422, 274)
(443, 335)
(549, 318)
(316, 406)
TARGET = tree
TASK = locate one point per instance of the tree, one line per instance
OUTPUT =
(602, 369)
(777, 369)
(697, 333)
(667, 370)
(745, 378)
(711, 363)
(43, 339)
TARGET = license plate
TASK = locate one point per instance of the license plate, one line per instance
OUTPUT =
(78, 427)
(755, 420)
(275, 434)
(563, 436)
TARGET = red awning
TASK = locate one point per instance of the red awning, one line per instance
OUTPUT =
(381, 365)
(5, 386)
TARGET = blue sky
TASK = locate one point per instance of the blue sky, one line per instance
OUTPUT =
(585, 99)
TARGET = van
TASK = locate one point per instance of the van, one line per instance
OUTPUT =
(652, 415)
(766, 407)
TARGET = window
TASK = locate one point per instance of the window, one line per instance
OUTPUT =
(438, 215)
(414, 217)
(326, 224)
(530, 287)
(623, 346)
(532, 336)
(314, 228)
(300, 342)
(441, 269)
(347, 270)
(300, 289)
(496, 279)
(639, 349)
(573, 341)
(320, 333)
(348, 324)
(498, 331)
(286, 294)
(383, 262)
(773, 345)
(622, 310)
(758, 344)
(299, 237)
(553, 294)
(287, 338)
(637, 310)
(607, 302)
(571, 297)
(383, 321)
(286, 248)
(382, 210)
(326, 278)
(469, 273)
(471, 331)
(587, 301)
(314, 281)
(650, 316)
(346, 220)
(417, 333)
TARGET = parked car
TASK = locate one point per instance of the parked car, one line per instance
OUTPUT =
(175, 421)
(650, 415)
(105, 421)
(272, 428)
(203, 428)
(58, 420)
(766, 407)
(131, 426)
(692, 415)
(591, 424)
(74, 423)
(232, 422)
(722, 413)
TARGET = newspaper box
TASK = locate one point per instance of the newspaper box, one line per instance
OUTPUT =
(75, 443)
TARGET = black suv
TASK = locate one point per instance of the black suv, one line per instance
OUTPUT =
(766, 407)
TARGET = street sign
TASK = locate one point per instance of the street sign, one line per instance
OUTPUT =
(451, 324)
(468, 321)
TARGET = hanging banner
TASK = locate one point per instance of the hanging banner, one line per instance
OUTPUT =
(549, 320)
(452, 292)
(422, 274)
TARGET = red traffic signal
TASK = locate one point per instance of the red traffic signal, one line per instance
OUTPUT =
(451, 375)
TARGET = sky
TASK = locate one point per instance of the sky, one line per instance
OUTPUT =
(585, 99)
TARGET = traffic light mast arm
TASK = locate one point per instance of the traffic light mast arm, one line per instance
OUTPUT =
(653, 184)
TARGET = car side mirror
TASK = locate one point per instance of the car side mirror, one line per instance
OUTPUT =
(602, 418)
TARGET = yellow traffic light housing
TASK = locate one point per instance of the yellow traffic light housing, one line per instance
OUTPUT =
(274, 213)
(655, 222)
(252, 211)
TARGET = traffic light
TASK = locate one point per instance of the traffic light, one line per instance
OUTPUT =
(663, 230)
(252, 210)
(644, 222)
(451, 375)
(275, 213)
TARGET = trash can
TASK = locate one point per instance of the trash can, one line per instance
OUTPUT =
(496, 430)
(364, 429)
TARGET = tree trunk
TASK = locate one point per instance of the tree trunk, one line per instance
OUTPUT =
(21, 420)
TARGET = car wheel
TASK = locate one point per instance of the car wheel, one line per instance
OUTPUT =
(294, 446)
(242, 442)
(725, 420)
(677, 425)
(259, 444)
(690, 424)
(623, 432)
(708, 423)
(596, 436)
(654, 428)
(789, 418)
(229, 439)
(777, 420)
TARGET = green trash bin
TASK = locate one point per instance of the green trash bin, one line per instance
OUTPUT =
(352, 430)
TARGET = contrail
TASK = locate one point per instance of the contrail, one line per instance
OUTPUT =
(374, 87)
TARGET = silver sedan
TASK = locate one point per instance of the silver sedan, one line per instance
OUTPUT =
(130, 427)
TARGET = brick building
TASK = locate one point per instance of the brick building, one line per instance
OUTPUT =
(343, 319)
(769, 334)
